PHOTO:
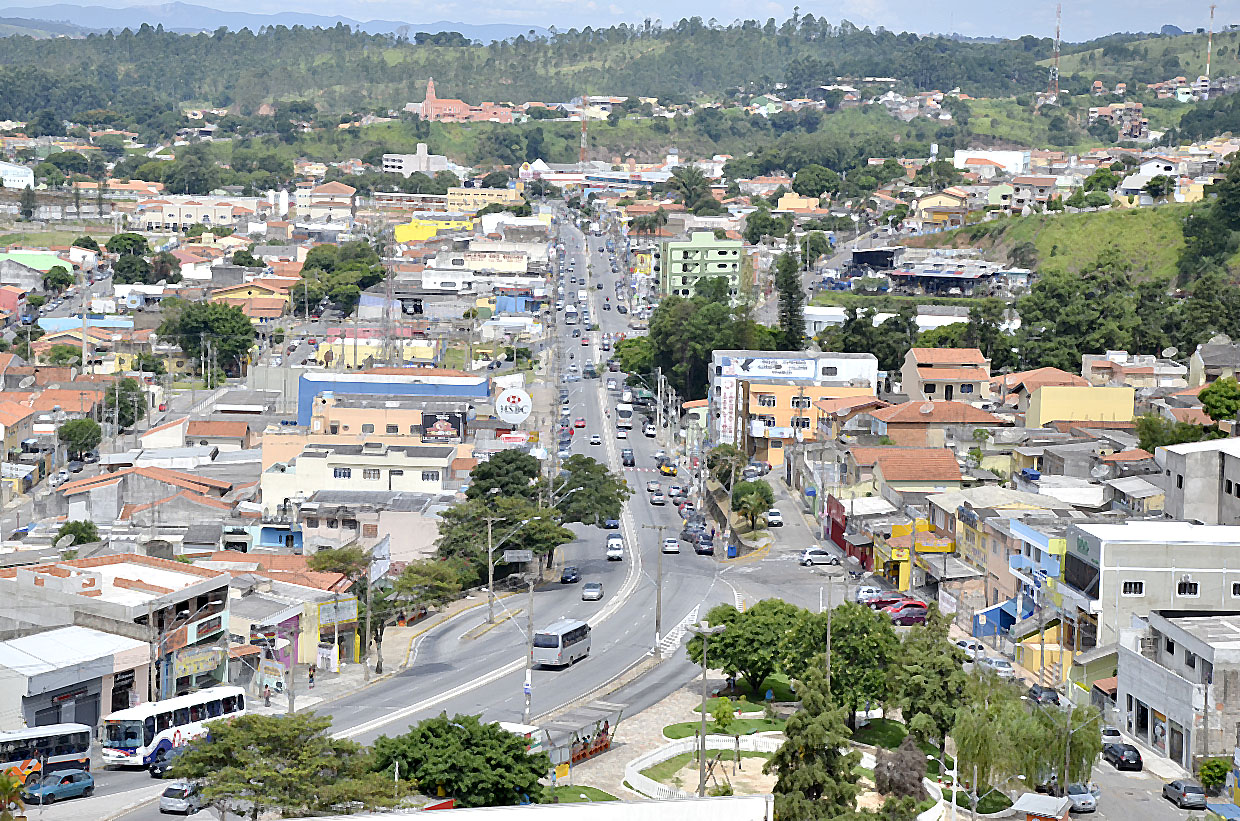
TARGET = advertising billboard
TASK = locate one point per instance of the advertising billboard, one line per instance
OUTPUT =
(443, 427)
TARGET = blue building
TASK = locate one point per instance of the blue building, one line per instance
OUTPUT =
(424, 382)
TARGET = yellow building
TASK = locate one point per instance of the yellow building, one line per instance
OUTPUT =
(778, 415)
(895, 555)
(248, 290)
(420, 229)
(366, 353)
(1073, 403)
(793, 201)
(472, 200)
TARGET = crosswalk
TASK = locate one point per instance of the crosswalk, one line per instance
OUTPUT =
(676, 635)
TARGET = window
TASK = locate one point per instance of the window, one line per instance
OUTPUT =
(413, 429)
(349, 524)
(368, 428)
(766, 400)
(1227, 487)
(801, 402)
(335, 428)
(931, 387)
(333, 524)
(312, 521)
(430, 476)
(1235, 589)
(830, 370)
(1168, 645)
(1190, 660)
(1133, 588)
(1179, 481)
(370, 531)
(370, 473)
(342, 473)
(966, 389)
(1187, 588)
(393, 428)
(800, 422)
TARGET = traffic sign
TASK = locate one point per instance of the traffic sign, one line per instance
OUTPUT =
(518, 556)
(526, 687)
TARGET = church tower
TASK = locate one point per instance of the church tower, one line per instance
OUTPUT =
(430, 89)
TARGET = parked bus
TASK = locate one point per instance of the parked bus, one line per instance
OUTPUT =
(624, 416)
(139, 736)
(35, 750)
(571, 314)
(562, 642)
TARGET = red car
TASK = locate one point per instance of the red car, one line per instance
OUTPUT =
(886, 599)
(580, 423)
(909, 611)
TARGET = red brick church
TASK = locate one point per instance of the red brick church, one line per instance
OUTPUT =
(436, 109)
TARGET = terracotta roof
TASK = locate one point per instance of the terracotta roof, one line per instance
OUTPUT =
(846, 404)
(1037, 378)
(1195, 416)
(1134, 455)
(164, 426)
(947, 356)
(936, 413)
(868, 455)
(464, 463)
(334, 188)
(205, 427)
(187, 481)
(694, 403)
(918, 465)
(11, 413)
(958, 374)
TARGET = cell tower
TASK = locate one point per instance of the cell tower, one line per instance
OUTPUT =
(581, 155)
(1052, 86)
(1209, 52)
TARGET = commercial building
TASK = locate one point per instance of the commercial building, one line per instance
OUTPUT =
(390, 382)
(176, 213)
(761, 401)
(420, 162)
(681, 263)
(16, 176)
(472, 200)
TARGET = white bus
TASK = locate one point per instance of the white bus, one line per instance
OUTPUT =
(624, 416)
(139, 736)
(571, 314)
(30, 752)
(562, 642)
(583, 297)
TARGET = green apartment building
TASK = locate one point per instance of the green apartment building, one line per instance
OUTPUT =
(682, 263)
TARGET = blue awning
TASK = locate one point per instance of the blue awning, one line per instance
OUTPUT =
(1224, 809)
(997, 620)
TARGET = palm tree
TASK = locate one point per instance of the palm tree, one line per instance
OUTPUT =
(10, 796)
(690, 183)
(751, 506)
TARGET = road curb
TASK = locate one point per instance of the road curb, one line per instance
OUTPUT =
(751, 556)
(131, 806)
(482, 629)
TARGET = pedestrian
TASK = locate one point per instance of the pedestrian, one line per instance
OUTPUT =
(266, 695)
(310, 675)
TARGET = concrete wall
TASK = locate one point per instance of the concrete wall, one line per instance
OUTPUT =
(1063, 403)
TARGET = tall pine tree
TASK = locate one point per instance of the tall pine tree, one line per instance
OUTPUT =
(791, 303)
(815, 775)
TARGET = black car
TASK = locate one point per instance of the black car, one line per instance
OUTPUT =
(164, 761)
(621, 309)
(611, 524)
(627, 459)
(704, 546)
(1122, 756)
(599, 287)
(1040, 694)
(571, 575)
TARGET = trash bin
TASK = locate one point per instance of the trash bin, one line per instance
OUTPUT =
(731, 551)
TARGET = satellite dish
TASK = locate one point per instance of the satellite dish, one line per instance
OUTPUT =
(64, 541)
(26, 382)
(927, 408)
(1170, 352)
(1099, 471)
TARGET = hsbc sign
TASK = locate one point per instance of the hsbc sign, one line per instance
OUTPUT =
(513, 406)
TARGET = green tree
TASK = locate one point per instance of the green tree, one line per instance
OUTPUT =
(126, 400)
(83, 532)
(725, 463)
(80, 436)
(635, 355)
(149, 363)
(245, 258)
(751, 643)
(1213, 774)
(11, 789)
(1155, 431)
(224, 330)
(587, 492)
(87, 242)
(1159, 187)
(57, 279)
(463, 531)
(496, 179)
(165, 268)
(134, 244)
(815, 777)
(724, 715)
(759, 492)
(928, 684)
(478, 765)
(814, 180)
(350, 561)
(63, 355)
(791, 303)
(258, 764)
(130, 268)
(425, 583)
(1221, 399)
(27, 201)
(509, 473)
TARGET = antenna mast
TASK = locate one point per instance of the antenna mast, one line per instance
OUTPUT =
(1052, 87)
(1209, 52)
(581, 154)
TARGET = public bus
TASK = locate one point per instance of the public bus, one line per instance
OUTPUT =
(35, 750)
(624, 416)
(139, 736)
(571, 314)
(561, 643)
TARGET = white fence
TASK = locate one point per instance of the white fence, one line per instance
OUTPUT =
(749, 743)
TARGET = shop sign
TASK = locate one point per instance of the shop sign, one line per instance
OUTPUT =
(194, 660)
(340, 610)
(122, 680)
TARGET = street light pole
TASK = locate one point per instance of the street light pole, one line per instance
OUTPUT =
(658, 593)
(529, 654)
(705, 632)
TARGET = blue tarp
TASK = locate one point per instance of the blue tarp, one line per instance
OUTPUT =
(1224, 809)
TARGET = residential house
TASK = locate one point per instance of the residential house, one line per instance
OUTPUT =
(1115, 368)
(330, 202)
(225, 435)
(1211, 361)
(1202, 481)
(846, 414)
(107, 497)
(370, 466)
(942, 210)
(1016, 389)
(409, 521)
(930, 424)
(1031, 191)
(907, 475)
(682, 263)
(1074, 403)
(945, 374)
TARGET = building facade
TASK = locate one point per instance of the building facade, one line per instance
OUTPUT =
(681, 263)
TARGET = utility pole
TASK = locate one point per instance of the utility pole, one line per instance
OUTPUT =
(154, 639)
(529, 653)
(366, 637)
(292, 679)
(490, 572)
(658, 593)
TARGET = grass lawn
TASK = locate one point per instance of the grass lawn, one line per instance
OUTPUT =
(664, 770)
(457, 358)
(568, 794)
(886, 733)
(777, 683)
(46, 239)
(742, 726)
(744, 705)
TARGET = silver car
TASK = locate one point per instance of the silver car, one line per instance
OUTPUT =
(592, 591)
(182, 797)
(1082, 799)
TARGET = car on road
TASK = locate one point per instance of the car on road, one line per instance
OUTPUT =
(885, 599)
(627, 459)
(611, 383)
(650, 430)
(163, 763)
(1001, 666)
(686, 507)
(657, 498)
(181, 797)
(615, 551)
(622, 433)
(1110, 735)
(1122, 756)
(704, 546)
(652, 486)
(865, 592)
(571, 575)
(75, 466)
(667, 468)
(580, 423)
(816, 555)
(1082, 799)
(1041, 694)
(611, 524)
(595, 439)
(592, 591)
(909, 611)
(58, 786)
(585, 342)
(1186, 794)
(774, 518)
(972, 648)
(620, 309)
(671, 545)
(564, 453)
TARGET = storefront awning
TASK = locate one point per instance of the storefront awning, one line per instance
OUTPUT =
(947, 568)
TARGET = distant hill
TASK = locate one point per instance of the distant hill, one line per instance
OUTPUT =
(189, 18)
(15, 26)
(1155, 58)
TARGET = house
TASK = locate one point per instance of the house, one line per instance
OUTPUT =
(1213, 360)
(846, 414)
(930, 424)
(1017, 388)
(334, 518)
(943, 210)
(330, 202)
(907, 475)
(1202, 481)
(1031, 191)
(1115, 368)
(1076, 403)
(106, 496)
(945, 374)
(224, 435)
(369, 466)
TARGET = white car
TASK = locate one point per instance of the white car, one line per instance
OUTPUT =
(615, 538)
(657, 498)
(649, 430)
(774, 518)
(866, 592)
(595, 439)
(972, 648)
(615, 551)
(1001, 667)
(652, 486)
(671, 545)
(622, 433)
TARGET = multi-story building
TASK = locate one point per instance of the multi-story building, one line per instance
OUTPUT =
(334, 518)
(369, 466)
(330, 202)
(472, 200)
(420, 162)
(1133, 370)
(1201, 481)
(681, 263)
(1030, 191)
(176, 213)
(393, 383)
(762, 401)
(962, 374)
(15, 176)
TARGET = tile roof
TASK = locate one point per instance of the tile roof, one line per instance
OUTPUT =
(1133, 455)
(1037, 378)
(918, 465)
(1195, 416)
(11, 413)
(960, 374)
(207, 427)
(936, 413)
(187, 481)
(846, 404)
(947, 356)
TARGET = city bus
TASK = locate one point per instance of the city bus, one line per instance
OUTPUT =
(624, 416)
(571, 314)
(561, 643)
(140, 736)
(34, 750)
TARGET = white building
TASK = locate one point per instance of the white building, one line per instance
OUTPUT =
(419, 162)
(16, 176)
(1013, 162)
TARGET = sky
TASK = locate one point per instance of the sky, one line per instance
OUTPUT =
(1082, 20)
